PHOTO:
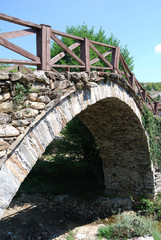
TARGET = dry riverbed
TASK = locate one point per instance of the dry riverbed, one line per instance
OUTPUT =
(39, 217)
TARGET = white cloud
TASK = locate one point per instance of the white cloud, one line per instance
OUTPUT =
(158, 48)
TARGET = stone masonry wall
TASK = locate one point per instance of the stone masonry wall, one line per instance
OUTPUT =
(45, 87)
(105, 103)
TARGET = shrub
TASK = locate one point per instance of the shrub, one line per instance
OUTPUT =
(128, 226)
(20, 93)
(146, 207)
(153, 128)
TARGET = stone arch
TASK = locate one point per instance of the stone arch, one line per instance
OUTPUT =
(88, 103)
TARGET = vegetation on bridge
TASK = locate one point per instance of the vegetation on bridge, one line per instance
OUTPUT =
(152, 125)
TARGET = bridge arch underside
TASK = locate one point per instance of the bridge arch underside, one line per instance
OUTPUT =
(123, 148)
(112, 115)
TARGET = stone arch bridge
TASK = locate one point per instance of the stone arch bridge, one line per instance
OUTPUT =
(105, 102)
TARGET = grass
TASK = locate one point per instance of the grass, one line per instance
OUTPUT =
(129, 226)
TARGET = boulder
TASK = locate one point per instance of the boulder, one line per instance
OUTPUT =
(3, 145)
(51, 75)
(20, 123)
(33, 96)
(6, 107)
(8, 131)
(44, 99)
(64, 84)
(15, 76)
(5, 118)
(41, 77)
(29, 112)
(37, 105)
(92, 84)
(4, 76)
(6, 96)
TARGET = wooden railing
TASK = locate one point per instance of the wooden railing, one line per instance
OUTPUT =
(112, 58)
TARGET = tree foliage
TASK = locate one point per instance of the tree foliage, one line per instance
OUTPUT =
(152, 86)
(100, 36)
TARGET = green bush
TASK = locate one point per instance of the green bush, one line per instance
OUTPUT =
(20, 93)
(128, 226)
(146, 207)
(153, 128)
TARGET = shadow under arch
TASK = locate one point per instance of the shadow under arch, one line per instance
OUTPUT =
(123, 147)
(116, 113)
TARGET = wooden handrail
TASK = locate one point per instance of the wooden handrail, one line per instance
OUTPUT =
(18, 21)
(43, 61)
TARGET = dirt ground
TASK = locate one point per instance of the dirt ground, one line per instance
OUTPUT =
(38, 217)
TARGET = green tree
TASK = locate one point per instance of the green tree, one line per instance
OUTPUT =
(100, 36)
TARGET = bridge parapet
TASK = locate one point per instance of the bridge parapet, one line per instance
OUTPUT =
(112, 58)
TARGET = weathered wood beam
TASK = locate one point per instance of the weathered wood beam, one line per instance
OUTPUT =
(102, 44)
(104, 68)
(65, 66)
(18, 50)
(66, 35)
(116, 58)
(124, 68)
(26, 68)
(43, 47)
(25, 62)
(10, 68)
(132, 81)
(62, 45)
(20, 33)
(84, 53)
(62, 54)
(98, 59)
(18, 21)
(125, 64)
(100, 55)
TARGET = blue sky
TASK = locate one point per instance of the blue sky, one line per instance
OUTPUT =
(136, 23)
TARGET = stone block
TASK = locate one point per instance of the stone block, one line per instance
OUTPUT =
(37, 105)
(5, 118)
(3, 145)
(33, 96)
(15, 76)
(8, 131)
(4, 76)
(6, 107)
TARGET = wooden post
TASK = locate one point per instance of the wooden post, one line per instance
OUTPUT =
(84, 53)
(156, 106)
(18, 68)
(144, 93)
(132, 81)
(115, 58)
(43, 47)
